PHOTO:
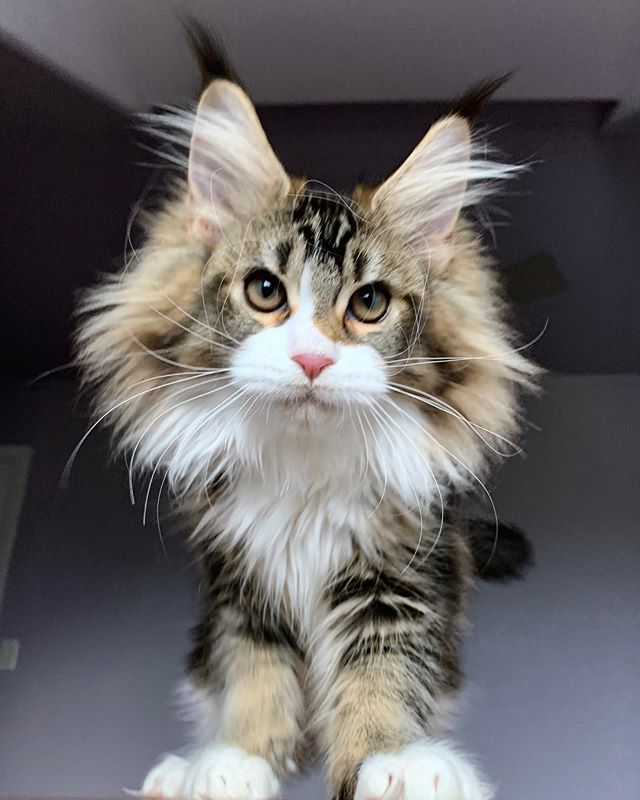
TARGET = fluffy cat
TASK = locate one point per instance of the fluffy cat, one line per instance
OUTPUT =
(316, 378)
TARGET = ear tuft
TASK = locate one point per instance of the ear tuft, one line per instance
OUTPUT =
(470, 104)
(233, 172)
(209, 52)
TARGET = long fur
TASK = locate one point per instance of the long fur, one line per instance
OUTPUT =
(333, 569)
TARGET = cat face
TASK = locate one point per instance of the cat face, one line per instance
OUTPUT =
(316, 303)
(317, 292)
(261, 296)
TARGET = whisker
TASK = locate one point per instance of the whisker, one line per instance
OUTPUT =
(184, 436)
(192, 332)
(190, 387)
(385, 474)
(169, 410)
(155, 354)
(205, 479)
(462, 464)
(364, 466)
(436, 484)
(206, 326)
(208, 417)
(64, 477)
(213, 370)
(445, 408)
(486, 357)
(52, 371)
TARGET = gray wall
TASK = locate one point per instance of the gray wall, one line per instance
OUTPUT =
(102, 613)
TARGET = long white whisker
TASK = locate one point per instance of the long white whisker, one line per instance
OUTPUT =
(385, 475)
(459, 461)
(205, 325)
(367, 458)
(64, 477)
(213, 371)
(486, 357)
(184, 436)
(169, 410)
(155, 354)
(445, 408)
(192, 332)
(436, 484)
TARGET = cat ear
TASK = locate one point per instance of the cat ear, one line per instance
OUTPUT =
(423, 198)
(233, 173)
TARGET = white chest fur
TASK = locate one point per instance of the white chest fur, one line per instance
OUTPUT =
(294, 539)
(299, 503)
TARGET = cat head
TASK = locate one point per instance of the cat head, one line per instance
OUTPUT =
(263, 302)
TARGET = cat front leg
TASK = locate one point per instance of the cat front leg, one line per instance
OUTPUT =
(384, 669)
(252, 672)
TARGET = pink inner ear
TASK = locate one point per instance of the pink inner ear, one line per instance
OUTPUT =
(233, 172)
(425, 195)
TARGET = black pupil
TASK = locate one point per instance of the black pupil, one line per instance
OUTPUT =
(268, 287)
(368, 297)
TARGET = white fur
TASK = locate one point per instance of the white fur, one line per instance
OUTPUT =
(425, 770)
(166, 779)
(217, 772)
(306, 473)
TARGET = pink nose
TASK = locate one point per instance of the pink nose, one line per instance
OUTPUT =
(312, 364)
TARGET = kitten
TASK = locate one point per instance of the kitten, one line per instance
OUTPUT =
(316, 378)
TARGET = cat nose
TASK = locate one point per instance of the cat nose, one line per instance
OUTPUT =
(312, 364)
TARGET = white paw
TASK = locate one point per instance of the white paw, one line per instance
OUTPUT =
(166, 779)
(422, 771)
(229, 773)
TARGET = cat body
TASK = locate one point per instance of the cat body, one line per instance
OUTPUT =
(316, 378)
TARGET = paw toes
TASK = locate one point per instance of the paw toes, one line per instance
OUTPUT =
(166, 779)
(426, 770)
(380, 778)
(261, 781)
(228, 773)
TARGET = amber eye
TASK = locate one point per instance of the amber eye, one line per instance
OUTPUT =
(369, 303)
(264, 292)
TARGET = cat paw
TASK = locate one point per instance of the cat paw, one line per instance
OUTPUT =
(220, 772)
(166, 779)
(421, 771)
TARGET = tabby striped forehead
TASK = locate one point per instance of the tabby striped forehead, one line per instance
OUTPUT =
(327, 226)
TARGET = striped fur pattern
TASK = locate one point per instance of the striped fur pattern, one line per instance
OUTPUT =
(333, 569)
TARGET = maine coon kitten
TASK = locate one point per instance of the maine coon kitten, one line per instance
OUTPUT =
(316, 377)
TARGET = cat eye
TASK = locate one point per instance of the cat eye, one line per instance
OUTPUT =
(264, 292)
(369, 303)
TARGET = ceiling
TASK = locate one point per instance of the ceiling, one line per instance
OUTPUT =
(296, 51)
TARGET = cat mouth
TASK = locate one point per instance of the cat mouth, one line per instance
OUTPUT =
(308, 400)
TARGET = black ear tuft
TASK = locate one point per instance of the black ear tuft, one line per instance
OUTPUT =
(503, 557)
(472, 101)
(209, 52)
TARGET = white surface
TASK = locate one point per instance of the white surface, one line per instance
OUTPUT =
(291, 51)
